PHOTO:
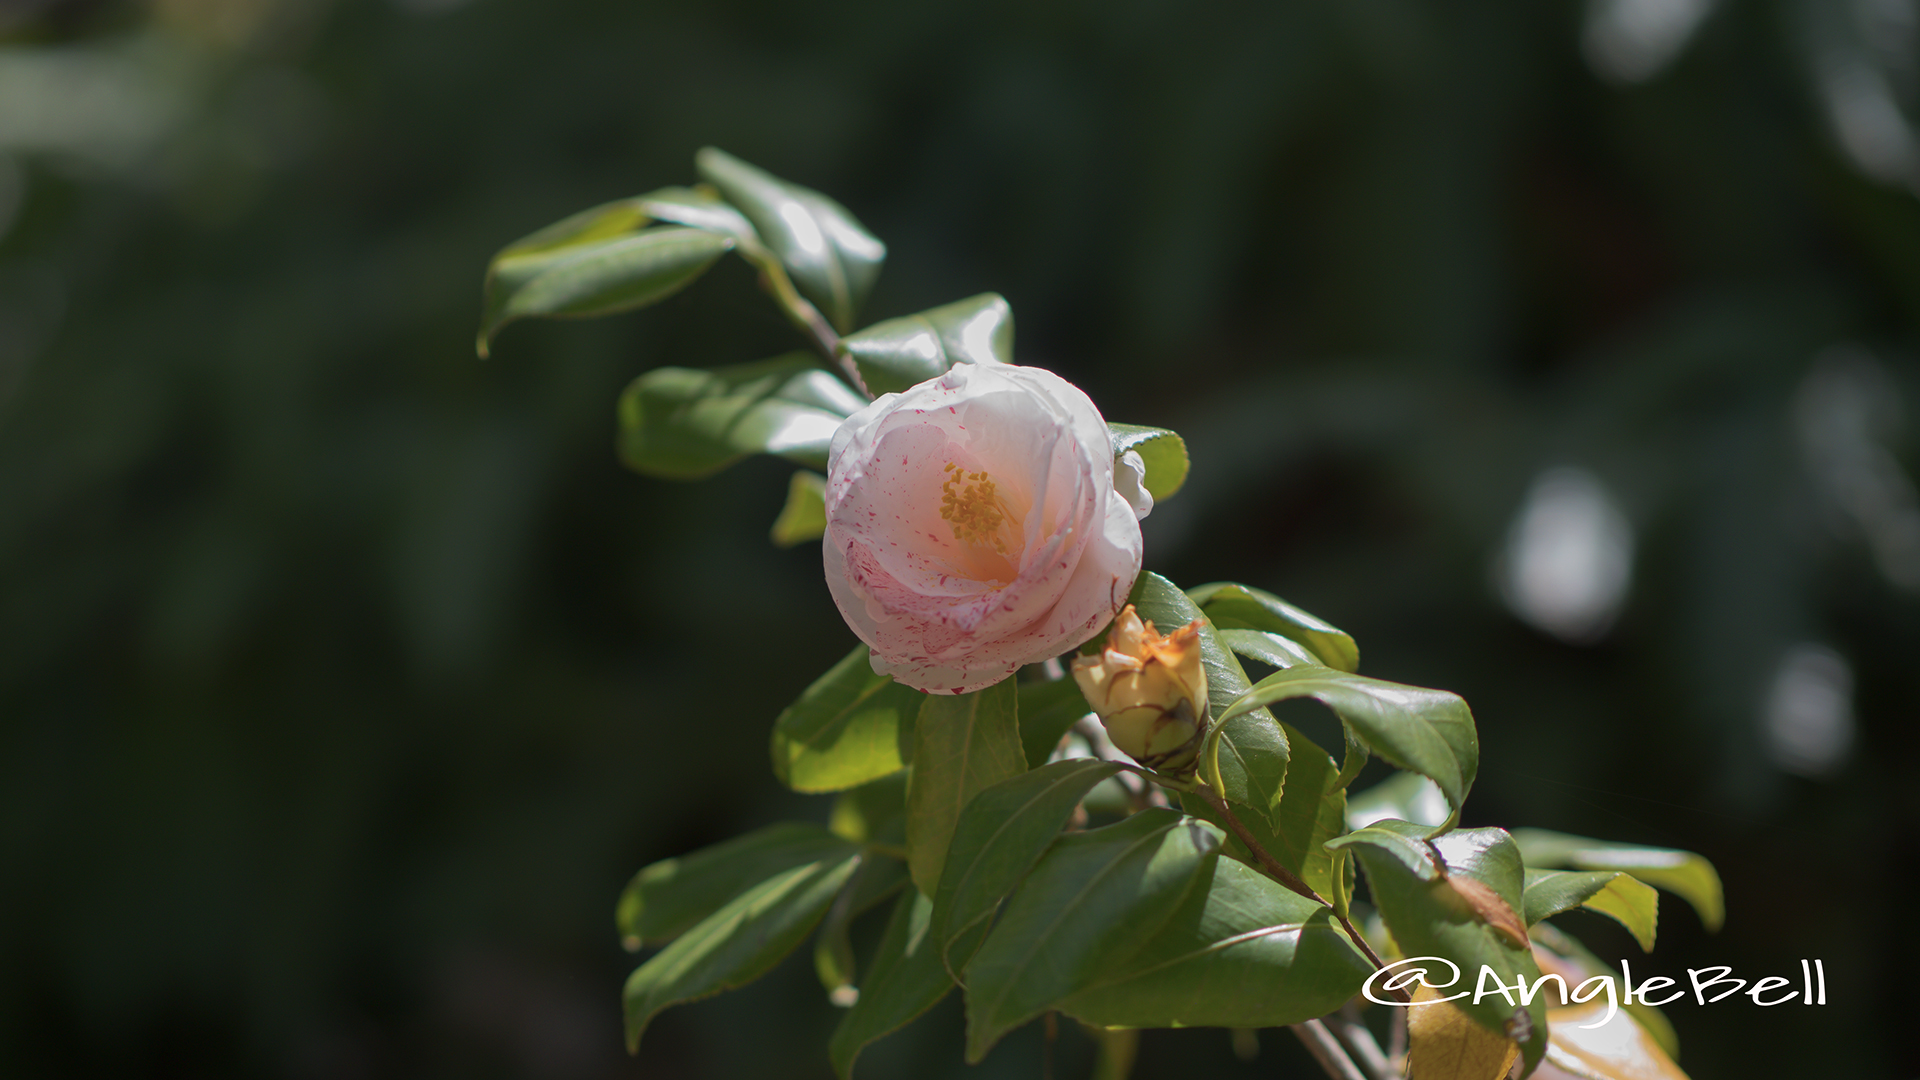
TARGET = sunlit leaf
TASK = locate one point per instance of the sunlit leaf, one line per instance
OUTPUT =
(804, 517)
(1092, 901)
(1232, 605)
(846, 729)
(1253, 748)
(1613, 1049)
(666, 898)
(1163, 452)
(998, 838)
(873, 813)
(1613, 893)
(1267, 648)
(897, 353)
(1241, 951)
(1683, 873)
(904, 980)
(963, 744)
(682, 423)
(1430, 732)
(583, 277)
(738, 943)
(831, 257)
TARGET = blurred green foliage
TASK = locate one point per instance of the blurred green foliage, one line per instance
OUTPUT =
(344, 679)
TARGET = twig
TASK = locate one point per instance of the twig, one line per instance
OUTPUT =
(1360, 1042)
(1327, 1051)
(803, 315)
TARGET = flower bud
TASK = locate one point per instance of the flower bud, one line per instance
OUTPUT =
(1150, 691)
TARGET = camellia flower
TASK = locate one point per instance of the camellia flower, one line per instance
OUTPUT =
(975, 523)
(1150, 690)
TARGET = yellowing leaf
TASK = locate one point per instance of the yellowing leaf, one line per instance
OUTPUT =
(1444, 1043)
(1619, 1049)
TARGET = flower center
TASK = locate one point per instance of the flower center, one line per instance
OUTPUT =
(970, 502)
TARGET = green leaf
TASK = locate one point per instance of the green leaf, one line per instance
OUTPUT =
(898, 353)
(963, 744)
(1232, 605)
(1619, 896)
(1241, 951)
(804, 517)
(1683, 873)
(831, 257)
(1163, 452)
(700, 207)
(846, 729)
(1430, 913)
(666, 898)
(873, 813)
(1047, 710)
(998, 838)
(1253, 748)
(1093, 899)
(1425, 731)
(738, 943)
(1263, 647)
(1405, 795)
(585, 277)
(683, 424)
(1311, 812)
(904, 980)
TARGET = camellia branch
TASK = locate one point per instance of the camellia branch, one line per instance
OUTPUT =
(803, 315)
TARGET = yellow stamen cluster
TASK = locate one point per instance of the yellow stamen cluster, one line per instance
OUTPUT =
(969, 501)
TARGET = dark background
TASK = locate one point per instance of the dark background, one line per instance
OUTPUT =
(345, 678)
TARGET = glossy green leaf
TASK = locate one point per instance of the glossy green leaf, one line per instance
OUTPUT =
(831, 257)
(1092, 900)
(1400, 840)
(1429, 916)
(904, 980)
(873, 813)
(1619, 896)
(998, 838)
(898, 353)
(1311, 812)
(804, 517)
(583, 278)
(700, 207)
(1683, 873)
(1163, 452)
(1240, 951)
(1263, 647)
(1425, 731)
(1047, 710)
(846, 729)
(1253, 748)
(738, 943)
(683, 424)
(1232, 605)
(666, 898)
(963, 744)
